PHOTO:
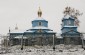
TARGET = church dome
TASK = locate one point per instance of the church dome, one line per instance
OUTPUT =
(39, 21)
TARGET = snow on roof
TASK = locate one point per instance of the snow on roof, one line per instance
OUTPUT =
(22, 31)
(20, 36)
(67, 16)
(50, 32)
(69, 26)
(39, 18)
(59, 36)
(29, 31)
(17, 31)
(40, 27)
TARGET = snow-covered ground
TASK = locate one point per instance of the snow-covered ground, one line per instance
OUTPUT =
(43, 50)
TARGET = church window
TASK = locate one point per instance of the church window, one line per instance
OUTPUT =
(40, 23)
(69, 22)
(66, 22)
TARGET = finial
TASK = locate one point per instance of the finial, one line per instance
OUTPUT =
(39, 12)
(16, 28)
(9, 29)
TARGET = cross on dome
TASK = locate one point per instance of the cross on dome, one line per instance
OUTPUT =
(16, 28)
(39, 12)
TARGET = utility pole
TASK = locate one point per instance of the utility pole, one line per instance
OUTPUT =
(9, 37)
(82, 38)
(22, 43)
(82, 43)
(54, 42)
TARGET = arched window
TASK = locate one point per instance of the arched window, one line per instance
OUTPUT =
(40, 23)
(69, 21)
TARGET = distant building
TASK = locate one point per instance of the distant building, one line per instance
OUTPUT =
(39, 34)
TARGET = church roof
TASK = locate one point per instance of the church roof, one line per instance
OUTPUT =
(29, 31)
(71, 32)
(39, 18)
(40, 27)
(17, 31)
(68, 16)
(50, 32)
(70, 26)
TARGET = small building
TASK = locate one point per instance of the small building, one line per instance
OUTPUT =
(39, 34)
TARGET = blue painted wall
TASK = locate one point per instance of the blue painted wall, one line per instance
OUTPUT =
(68, 25)
(67, 29)
(36, 23)
(68, 22)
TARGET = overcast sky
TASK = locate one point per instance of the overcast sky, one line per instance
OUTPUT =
(22, 12)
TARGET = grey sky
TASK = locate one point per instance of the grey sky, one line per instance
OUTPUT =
(23, 12)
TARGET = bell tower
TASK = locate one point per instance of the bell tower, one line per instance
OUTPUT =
(69, 25)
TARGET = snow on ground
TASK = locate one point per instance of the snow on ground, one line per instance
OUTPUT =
(43, 50)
